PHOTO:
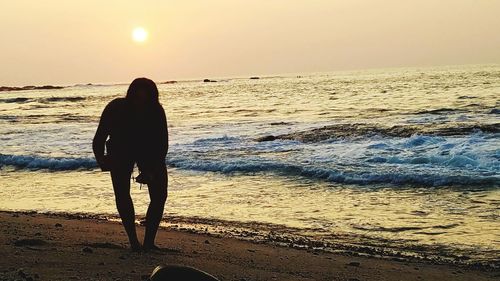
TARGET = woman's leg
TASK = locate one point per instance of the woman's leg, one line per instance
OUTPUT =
(124, 204)
(158, 196)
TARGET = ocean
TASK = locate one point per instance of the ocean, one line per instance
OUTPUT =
(401, 162)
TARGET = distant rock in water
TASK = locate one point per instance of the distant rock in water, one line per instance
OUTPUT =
(208, 80)
(82, 85)
(169, 82)
(356, 130)
(266, 138)
(3, 88)
(254, 77)
(25, 88)
(48, 87)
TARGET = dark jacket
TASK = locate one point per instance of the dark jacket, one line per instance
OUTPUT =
(138, 136)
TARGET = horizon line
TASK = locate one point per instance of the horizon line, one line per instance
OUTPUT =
(269, 75)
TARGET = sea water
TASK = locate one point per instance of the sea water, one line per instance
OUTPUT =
(393, 162)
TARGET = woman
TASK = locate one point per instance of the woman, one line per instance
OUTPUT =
(137, 129)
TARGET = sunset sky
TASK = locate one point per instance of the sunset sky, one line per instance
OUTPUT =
(65, 42)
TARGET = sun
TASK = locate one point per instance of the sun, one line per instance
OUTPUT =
(139, 34)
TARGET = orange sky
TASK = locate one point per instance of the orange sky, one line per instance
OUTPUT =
(66, 42)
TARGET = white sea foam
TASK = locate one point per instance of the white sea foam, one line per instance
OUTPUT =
(53, 164)
(418, 160)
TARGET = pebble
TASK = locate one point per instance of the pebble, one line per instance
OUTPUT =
(87, 250)
(21, 273)
(354, 263)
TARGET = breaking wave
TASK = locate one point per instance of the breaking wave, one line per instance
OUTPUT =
(250, 165)
(46, 163)
(357, 130)
(339, 174)
(58, 99)
(15, 100)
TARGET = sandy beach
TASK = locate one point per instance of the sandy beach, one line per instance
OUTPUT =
(61, 247)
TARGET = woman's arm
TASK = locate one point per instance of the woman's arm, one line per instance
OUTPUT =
(163, 133)
(101, 135)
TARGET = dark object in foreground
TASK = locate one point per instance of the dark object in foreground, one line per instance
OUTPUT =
(144, 178)
(179, 272)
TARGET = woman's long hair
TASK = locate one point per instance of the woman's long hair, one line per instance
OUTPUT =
(145, 86)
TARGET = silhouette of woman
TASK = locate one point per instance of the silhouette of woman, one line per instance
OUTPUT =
(137, 129)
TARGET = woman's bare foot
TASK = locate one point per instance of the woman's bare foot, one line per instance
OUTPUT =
(147, 248)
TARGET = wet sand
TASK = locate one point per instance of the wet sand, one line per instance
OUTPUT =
(58, 247)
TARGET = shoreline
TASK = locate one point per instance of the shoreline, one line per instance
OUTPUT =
(347, 244)
(63, 247)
